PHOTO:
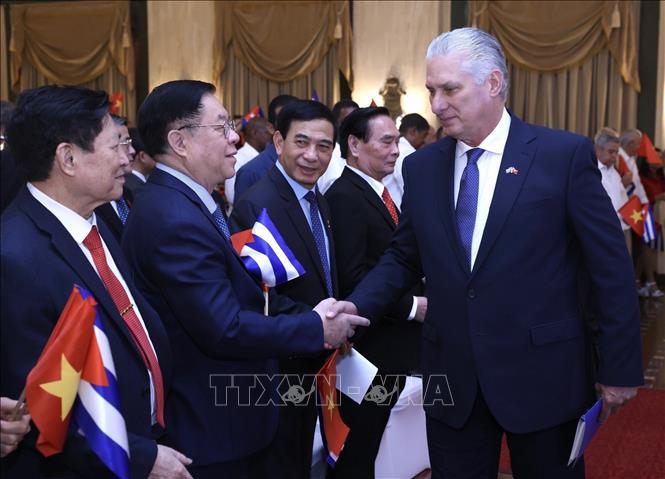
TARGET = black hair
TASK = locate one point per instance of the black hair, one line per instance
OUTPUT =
(357, 124)
(49, 115)
(413, 120)
(340, 105)
(167, 104)
(119, 120)
(137, 142)
(304, 110)
(280, 101)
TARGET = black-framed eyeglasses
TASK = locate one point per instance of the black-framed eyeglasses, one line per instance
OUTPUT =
(225, 128)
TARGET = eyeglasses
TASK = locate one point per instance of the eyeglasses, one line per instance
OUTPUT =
(125, 144)
(225, 128)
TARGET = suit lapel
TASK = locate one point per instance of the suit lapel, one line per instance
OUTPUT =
(518, 153)
(165, 179)
(71, 253)
(446, 199)
(294, 211)
(371, 196)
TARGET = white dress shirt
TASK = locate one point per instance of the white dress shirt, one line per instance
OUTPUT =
(79, 227)
(378, 187)
(489, 164)
(395, 181)
(139, 175)
(334, 170)
(632, 166)
(615, 190)
(243, 156)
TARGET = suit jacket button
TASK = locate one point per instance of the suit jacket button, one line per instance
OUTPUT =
(471, 293)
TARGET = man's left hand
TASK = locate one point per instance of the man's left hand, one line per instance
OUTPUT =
(614, 397)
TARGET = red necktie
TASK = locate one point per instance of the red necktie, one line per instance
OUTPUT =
(390, 204)
(94, 243)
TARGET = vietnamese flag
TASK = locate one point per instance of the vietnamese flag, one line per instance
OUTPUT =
(633, 214)
(334, 431)
(647, 150)
(116, 103)
(372, 104)
(71, 354)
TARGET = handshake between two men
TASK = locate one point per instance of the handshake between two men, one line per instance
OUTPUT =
(339, 319)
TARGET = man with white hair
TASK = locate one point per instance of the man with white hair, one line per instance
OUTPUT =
(500, 216)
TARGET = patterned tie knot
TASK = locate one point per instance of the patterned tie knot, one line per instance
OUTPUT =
(93, 240)
(473, 155)
(311, 197)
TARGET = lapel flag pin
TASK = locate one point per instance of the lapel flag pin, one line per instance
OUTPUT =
(512, 170)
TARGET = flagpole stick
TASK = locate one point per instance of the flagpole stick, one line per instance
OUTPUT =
(18, 409)
(265, 298)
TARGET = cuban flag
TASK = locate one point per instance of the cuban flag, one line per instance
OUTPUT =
(315, 96)
(75, 379)
(265, 253)
(652, 234)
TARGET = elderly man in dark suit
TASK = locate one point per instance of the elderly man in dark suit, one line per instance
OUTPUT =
(364, 218)
(500, 216)
(304, 142)
(71, 153)
(177, 239)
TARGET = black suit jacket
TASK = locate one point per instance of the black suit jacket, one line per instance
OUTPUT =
(363, 228)
(111, 218)
(40, 264)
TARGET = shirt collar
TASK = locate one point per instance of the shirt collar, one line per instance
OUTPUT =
(376, 185)
(75, 224)
(139, 175)
(495, 142)
(200, 191)
(299, 190)
(249, 149)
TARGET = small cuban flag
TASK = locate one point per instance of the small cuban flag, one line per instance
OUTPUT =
(315, 96)
(652, 235)
(75, 379)
(266, 255)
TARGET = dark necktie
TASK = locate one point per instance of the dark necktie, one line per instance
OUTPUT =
(390, 204)
(123, 210)
(319, 238)
(220, 220)
(126, 309)
(467, 201)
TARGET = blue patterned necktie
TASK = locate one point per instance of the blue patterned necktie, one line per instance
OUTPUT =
(221, 222)
(467, 201)
(319, 239)
(123, 210)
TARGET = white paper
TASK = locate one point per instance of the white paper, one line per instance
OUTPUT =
(355, 374)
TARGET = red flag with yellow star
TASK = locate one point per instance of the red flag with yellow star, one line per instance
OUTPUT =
(333, 429)
(647, 150)
(633, 214)
(71, 354)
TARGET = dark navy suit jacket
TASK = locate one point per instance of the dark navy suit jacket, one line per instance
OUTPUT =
(213, 312)
(255, 169)
(513, 325)
(40, 264)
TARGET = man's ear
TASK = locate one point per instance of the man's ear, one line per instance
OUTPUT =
(278, 141)
(177, 141)
(495, 81)
(354, 145)
(64, 159)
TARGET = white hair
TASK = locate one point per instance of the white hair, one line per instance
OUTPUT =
(481, 50)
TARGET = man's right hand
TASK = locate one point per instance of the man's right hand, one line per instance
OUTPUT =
(170, 464)
(339, 319)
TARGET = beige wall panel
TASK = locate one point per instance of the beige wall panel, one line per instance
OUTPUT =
(180, 40)
(659, 139)
(390, 39)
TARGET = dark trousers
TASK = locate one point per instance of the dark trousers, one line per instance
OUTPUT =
(256, 466)
(367, 422)
(473, 451)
